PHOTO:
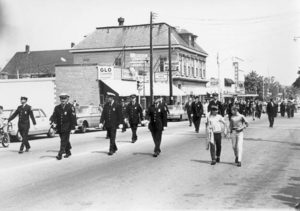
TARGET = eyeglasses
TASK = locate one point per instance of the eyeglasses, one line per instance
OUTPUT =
(63, 98)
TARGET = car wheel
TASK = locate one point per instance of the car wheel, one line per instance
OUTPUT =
(51, 133)
(83, 127)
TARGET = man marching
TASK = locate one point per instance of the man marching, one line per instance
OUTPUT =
(24, 111)
(112, 118)
(158, 122)
(64, 118)
(271, 111)
(188, 109)
(135, 115)
(197, 111)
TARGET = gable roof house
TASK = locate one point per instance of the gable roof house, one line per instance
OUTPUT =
(36, 64)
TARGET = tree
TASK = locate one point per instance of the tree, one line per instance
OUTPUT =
(292, 91)
(254, 83)
(297, 83)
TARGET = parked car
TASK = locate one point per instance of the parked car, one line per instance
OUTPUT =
(88, 116)
(177, 112)
(42, 124)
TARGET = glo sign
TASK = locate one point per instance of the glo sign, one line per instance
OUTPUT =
(105, 72)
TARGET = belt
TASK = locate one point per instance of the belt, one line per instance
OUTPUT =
(237, 130)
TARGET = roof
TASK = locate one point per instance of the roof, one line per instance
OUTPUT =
(132, 36)
(37, 62)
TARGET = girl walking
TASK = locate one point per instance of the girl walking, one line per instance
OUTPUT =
(238, 122)
(214, 130)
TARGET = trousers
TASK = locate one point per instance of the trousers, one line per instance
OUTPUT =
(237, 144)
(218, 145)
(24, 135)
(156, 135)
(271, 119)
(111, 132)
(65, 145)
(134, 129)
(190, 117)
(197, 121)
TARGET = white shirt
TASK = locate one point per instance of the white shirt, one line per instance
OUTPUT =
(215, 122)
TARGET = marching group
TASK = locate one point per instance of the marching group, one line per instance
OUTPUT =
(123, 116)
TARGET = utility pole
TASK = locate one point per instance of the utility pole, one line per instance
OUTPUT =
(151, 60)
(170, 68)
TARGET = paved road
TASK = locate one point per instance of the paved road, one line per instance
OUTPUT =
(181, 178)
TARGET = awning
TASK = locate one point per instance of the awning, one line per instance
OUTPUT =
(229, 81)
(123, 88)
(166, 88)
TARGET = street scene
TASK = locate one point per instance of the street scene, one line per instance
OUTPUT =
(161, 105)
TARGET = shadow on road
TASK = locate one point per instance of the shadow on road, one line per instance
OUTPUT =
(143, 153)
(289, 194)
(47, 156)
(52, 150)
(208, 162)
(259, 139)
(103, 152)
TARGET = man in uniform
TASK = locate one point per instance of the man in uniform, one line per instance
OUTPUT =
(64, 118)
(188, 109)
(112, 118)
(197, 112)
(158, 122)
(164, 105)
(24, 111)
(215, 102)
(124, 113)
(271, 111)
(135, 115)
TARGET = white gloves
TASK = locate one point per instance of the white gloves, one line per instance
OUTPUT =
(72, 131)
(35, 127)
(100, 125)
(120, 126)
(165, 128)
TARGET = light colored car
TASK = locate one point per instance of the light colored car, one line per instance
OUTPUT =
(88, 116)
(42, 124)
(177, 112)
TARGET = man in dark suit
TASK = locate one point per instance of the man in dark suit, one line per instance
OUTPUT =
(215, 102)
(188, 109)
(134, 112)
(125, 116)
(112, 118)
(197, 112)
(229, 112)
(64, 118)
(259, 108)
(24, 111)
(282, 108)
(271, 111)
(158, 122)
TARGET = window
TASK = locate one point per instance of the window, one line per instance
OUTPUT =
(43, 115)
(95, 110)
(179, 86)
(189, 71)
(36, 113)
(184, 70)
(193, 71)
(196, 72)
(118, 62)
(162, 61)
(200, 71)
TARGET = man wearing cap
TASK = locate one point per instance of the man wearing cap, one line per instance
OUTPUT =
(64, 118)
(188, 109)
(271, 111)
(24, 111)
(215, 102)
(112, 118)
(135, 115)
(124, 113)
(158, 122)
(197, 112)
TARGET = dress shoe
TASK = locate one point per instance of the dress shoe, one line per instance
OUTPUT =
(155, 154)
(190, 125)
(110, 153)
(59, 157)
(218, 160)
(236, 159)
(115, 150)
(133, 141)
(27, 150)
(20, 151)
(67, 155)
(213, 162)
(239, 164)
(197, 131)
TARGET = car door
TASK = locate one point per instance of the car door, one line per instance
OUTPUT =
(44, 122)
(95, 116)
(37, 116)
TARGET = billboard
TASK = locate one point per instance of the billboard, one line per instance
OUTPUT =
(105, 72)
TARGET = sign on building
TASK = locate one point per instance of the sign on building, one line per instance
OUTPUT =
(139, 60)
(236, 75)
(175, 66)
(105, 72)
(129, 74)
(214, 82)
(161, 77)
(141, 78)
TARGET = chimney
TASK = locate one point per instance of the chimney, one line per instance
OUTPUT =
(121, 21)
(72, 44)
(27, 49)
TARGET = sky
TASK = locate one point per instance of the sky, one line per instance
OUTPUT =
(261, 32)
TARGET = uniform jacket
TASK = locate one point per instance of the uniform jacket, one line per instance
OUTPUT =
(197, 109)
(134, 113)
(112, 115)
(217, 103)
(259, 107)
(188, 107)
(24, 113)
(271, 110)
(64, 117)
(157, 117)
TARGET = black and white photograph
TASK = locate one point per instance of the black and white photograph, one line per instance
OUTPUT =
(161, 105)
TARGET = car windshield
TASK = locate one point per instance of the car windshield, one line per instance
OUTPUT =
(82, 109)
(174, 107)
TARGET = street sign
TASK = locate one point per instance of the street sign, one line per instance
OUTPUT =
(175, 66)
(141, 78)
(105, 72)
(138, 63)
(161, 77)
(127, 74)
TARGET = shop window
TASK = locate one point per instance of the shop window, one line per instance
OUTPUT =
(204, 73)
(118, 62)
(162, 61)
(200, 73)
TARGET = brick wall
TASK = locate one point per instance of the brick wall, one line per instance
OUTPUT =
(80, 82)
